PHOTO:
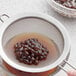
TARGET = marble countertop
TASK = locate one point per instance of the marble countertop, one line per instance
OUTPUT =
(12, 7)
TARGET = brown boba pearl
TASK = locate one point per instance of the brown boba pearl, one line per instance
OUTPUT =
(62, 1)
(36, 62)
(26, 53)
(30, 52)
(24, 57)
(32, 58)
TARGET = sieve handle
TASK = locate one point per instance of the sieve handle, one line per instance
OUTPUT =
(3, 15)
(60, 66)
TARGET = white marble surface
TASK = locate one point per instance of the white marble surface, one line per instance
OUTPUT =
(12, 7)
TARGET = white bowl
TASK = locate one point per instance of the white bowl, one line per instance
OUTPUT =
(65, 11)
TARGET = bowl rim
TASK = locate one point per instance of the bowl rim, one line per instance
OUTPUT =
(61, 5)
(44, 17)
